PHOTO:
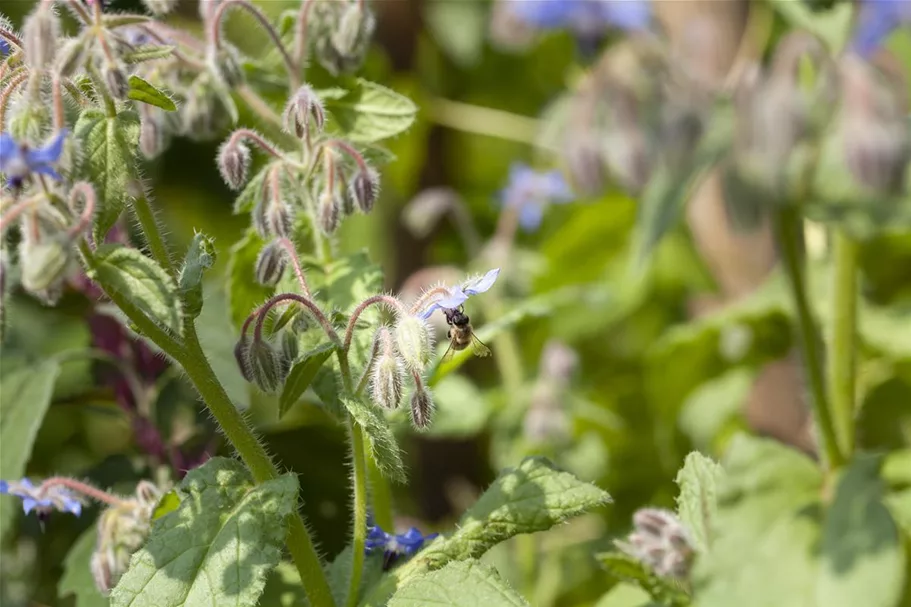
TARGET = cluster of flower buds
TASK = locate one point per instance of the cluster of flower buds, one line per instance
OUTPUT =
(122, 530)
(547, 419)
(661, 542)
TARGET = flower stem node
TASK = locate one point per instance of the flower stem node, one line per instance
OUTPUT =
(270, 265)
(234, 162)
(303, 111)
(412, 340)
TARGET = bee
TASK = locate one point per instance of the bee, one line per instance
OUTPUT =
(461, 335)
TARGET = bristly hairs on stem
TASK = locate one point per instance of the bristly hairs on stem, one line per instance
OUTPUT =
(300, 33)
(289, 248)
(387, 300)
(304, 301)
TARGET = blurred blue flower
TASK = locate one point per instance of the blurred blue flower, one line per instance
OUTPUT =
(395, 545)
(17, 161)
(587, 18)
(4, 47)
(42, 500)
(459, 294)
(530, 191)
(875, 21)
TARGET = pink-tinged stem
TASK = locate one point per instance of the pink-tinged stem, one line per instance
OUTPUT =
(307, 303)
(14, 83)
(83, 489)
(15, 211)
(349, 150)
(425, 298)
(387, 300)
(300, 34)
(288, 246)
(256, 138)
(87, 193)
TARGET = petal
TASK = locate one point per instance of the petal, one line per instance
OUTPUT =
(28, 504)
(428, 311)
(628, 15)
(44, 169)
(530, 215)
(4, 487)
(8, 149)
(26, 483)
(49, 154)
(557, 188)
(455, 298)
(482, 284)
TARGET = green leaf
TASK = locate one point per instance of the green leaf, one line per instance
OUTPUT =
(200, 257)
(302, 374)
(669, 189)
(142, 91)
(218, 546)
(25, 395)
(627, 569)
(862, 558)
(77, 575)
(284, 588)
(715, 406)
(169, 503)
(459, 584)
(109, 148)
(370, 112)
(765, 547)
(379, 438)
(148, 52)
(244, 293)
(626, 595)
(697, 504)
(252, 192)
(114, 20)
(141, 280)
(339, 574)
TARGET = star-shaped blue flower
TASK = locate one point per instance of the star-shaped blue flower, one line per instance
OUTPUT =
(40, 500)
(459, 294)
(529, 192)
(875, 21)
(395, 545)
(18, 161)
(587, 18)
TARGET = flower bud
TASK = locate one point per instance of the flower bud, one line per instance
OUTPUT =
(290, 347)
(242, 356)
(161, 7)
(329, 212)
(661, 542)
(363, 189)
(40, 34)
(270, 265)
(44, 264)
(412, 340)
(151, 136)
(265, 366)
(421, 408)
(234, 163)
(224, 65)
(278, 218)
(388, 372)
(115, 80)
(304, 109)
(349, 27)
(71, 56)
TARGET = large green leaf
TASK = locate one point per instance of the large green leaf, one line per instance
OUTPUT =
(459, 584)
(244, 293)
(77, 575)
(218, 546)
(862, 558)
(140, 280)
(765, 546)
(109, 147)
(379, 438)
(302, 374)
(370, 112)
(697, 504)
(24, 398)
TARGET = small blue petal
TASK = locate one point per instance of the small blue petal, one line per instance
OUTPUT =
(27, 484)
(876, 20)
(8, 149)
(530, 216)
(428, 311)
(29, 504)
(457, 296)
(411, 540)
(4, 48)
(49, 153)
(72, 506)
(556, 187)
(4, 487)
(482, 284)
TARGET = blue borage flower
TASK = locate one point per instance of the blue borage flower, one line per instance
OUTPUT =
(875, 21)
(395, 545)
(587, 18)
(18, 161)
(5, 48)
(459, 294)
(529, 192)
(42, 499)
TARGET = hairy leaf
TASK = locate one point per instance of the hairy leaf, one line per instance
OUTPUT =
(248, 197)
(370, 112)
(25, 395)
(109, 147)
(148, 52)
(627, 569)
(200, 257)
(379, 438)
(218, 546)
(115, 20)
(459, 584)
(697, 503)
(863, 562)
(244, 293)
(141, 280)
(77, 576)
(302, 374)
(142, 91)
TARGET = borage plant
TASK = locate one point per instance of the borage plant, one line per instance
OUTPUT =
(79, 111)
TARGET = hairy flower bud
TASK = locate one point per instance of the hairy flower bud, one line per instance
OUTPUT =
(329, 211)
(40, 34)
(151, 137)
(115, 80)
(363, 189)
(270, 265)
(266, 366)
(234, 163)
(225, 66)
(661, 542)
(161, 7)
(348, 29)
(387, 377)
(242, 356)
(44, 264)
(304, 109)
(71, 56)
(412, 340)
(278, 218)
(421, 408)
(290, 347)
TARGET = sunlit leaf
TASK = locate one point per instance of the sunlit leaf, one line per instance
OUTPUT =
(379, 438)
(697, 504)
(458, 584)
(370, 112)
(142, 91)
(302, 374)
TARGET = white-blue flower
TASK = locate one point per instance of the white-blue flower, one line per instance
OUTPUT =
(530, 191)
(18, 161)
(459, 294)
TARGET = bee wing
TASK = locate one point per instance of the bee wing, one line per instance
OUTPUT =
(447, 356)
(478, 346)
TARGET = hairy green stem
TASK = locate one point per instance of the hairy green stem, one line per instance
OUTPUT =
(844, 331)
(152, 233)
(788, 225)
(381, 494)
(359, 539)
